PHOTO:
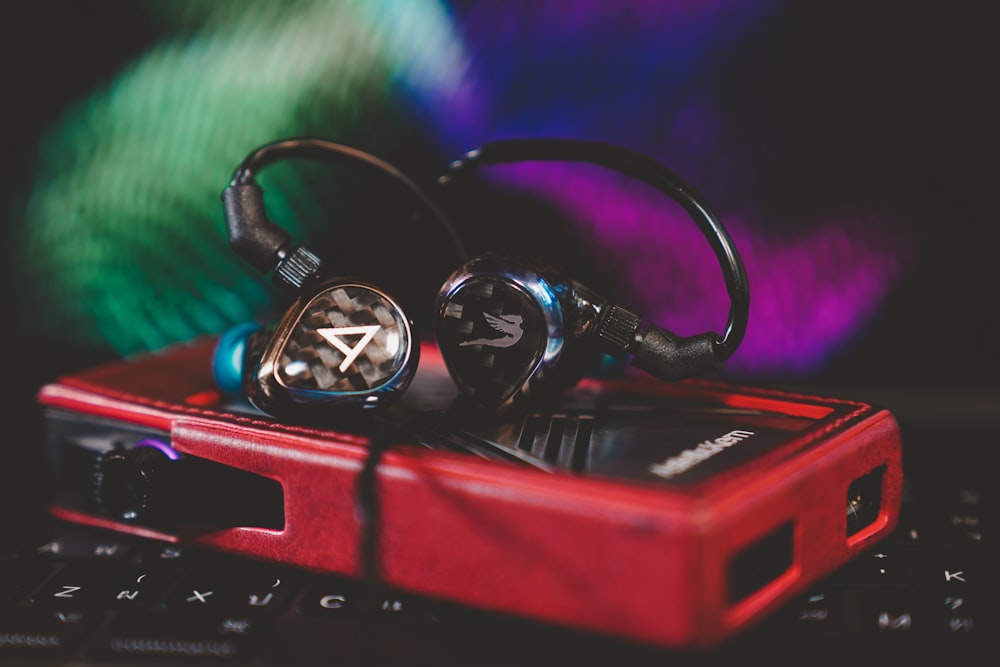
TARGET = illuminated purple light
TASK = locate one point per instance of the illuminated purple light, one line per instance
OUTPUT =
(163, 447)
(809, 294)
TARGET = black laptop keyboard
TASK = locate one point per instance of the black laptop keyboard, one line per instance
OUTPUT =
(81, 596)
(931, 588)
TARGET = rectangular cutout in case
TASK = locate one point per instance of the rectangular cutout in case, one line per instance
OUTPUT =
(757, 565)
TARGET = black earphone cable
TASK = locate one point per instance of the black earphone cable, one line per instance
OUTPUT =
(368, 511)
(248, 211)
(651, 172)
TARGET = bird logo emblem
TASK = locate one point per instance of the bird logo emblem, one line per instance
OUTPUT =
(508, 325)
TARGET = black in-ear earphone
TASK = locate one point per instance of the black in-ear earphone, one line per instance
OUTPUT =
(344, 342)
(508, 326)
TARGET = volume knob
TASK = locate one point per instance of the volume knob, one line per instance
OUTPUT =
(127, 483)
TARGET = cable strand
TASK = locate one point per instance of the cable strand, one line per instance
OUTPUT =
(332, 152)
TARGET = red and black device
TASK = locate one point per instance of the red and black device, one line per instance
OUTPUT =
(675, 514)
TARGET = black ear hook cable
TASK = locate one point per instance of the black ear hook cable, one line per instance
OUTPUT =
(267, 247)
(706, 352)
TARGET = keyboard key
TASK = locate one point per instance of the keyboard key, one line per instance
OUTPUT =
(958, 570)
(38, 633)
(885, 565)
(181, 637)
(72, 542)
(892, 614)
(403, 639)
(105, 585)
(825, 615)
(336, 597)
(240, 591)
(19, 578)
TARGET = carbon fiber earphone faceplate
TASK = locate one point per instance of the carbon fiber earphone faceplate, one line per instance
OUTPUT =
(348, 343)
(499, 326)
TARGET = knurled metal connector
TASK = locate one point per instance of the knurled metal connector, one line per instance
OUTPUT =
(297, 268)
(617, 330)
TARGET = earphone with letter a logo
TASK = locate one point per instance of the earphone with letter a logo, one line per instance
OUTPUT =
(508, 326)
(343, 342)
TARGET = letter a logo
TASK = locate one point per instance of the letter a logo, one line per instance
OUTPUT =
(333, 337)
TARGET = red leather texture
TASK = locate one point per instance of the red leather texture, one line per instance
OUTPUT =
(647, 562)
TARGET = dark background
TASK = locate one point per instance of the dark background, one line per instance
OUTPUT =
(877, 100)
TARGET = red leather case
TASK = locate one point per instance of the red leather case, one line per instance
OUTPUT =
(649, 560)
